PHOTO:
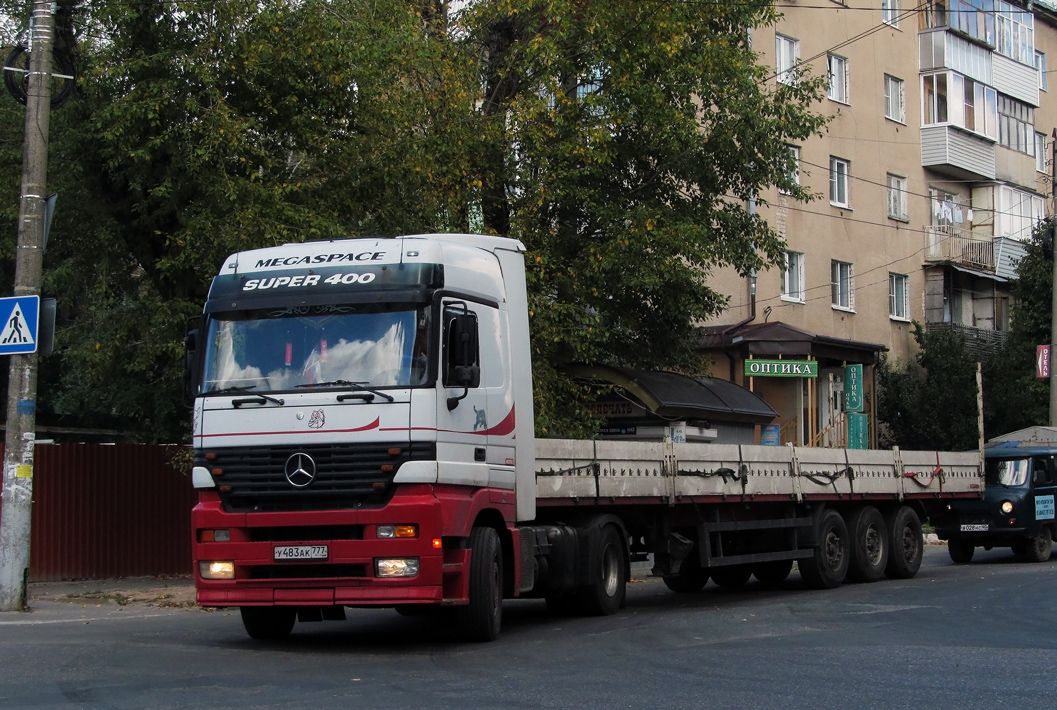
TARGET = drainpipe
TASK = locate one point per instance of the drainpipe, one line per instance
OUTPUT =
(752, 299)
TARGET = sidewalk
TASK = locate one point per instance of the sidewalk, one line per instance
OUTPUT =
(96, 599)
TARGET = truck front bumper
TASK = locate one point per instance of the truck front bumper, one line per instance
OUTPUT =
(345, 550)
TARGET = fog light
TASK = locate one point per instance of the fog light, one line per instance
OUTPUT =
(222, 535)
(389, 531)
(217, 570)
(1007, 507)
(400, 567)
(386, 531)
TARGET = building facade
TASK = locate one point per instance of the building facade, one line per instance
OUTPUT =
(934, 169)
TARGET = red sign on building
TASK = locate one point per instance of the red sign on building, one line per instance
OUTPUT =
(1042, 361)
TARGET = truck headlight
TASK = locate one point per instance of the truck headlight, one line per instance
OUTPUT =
(217, 569)
(396, 567)
(1007, 507)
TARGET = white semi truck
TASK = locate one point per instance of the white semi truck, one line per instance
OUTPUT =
(363, 436)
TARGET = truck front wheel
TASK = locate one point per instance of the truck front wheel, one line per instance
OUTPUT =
(828, 568)
(268, 623)
(961, 551)
(1040, 547)
(481, 618)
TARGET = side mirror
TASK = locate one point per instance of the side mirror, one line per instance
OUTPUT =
(461, 351)
(192, 369)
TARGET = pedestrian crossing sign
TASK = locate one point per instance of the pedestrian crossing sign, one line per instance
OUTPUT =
(18, 329)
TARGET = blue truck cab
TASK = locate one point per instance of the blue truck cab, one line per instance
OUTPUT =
(1017, 510)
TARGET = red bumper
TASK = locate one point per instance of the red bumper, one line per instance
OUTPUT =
(347, 576)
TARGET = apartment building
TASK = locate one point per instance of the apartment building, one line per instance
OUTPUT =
(933, 170)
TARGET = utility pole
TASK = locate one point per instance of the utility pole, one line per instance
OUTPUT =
(22, 387)
(1053, 304)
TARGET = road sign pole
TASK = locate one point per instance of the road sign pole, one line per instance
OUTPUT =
(15, 519)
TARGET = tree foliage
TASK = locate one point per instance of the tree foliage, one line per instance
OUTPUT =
(618, 141)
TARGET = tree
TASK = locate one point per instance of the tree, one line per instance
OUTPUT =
(618, 141)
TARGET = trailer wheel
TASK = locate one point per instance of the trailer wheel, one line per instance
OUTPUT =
(907, 548)
(869, 545)
(1039, 548)
(690, 578)
(961, 551)
(605, 594)
(481, 618)
(731, 576)
(268, 623)
(771, 574)
(828, 568)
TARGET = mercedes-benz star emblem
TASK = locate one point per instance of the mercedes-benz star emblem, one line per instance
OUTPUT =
(300, 470)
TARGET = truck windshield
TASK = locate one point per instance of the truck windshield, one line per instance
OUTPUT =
(1006, 472)
(313, 346)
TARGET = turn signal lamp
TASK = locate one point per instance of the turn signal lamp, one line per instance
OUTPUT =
(437, 543)
(214, 535)
(217, 569)
(391, 531)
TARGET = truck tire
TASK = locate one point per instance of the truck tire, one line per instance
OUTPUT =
(268, 623)
(828, 568)
(481, 618)
(771, 574)
(869, 545)
(690, 578)
(731, 576)
(1040, 547)
(907, 546)
(605, 594)
(961, 551)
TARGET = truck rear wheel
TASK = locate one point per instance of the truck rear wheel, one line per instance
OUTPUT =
(907, 547)
(690, 578)
(771, 574)
(828, 568)
(869, 545)
(605, 594)
(268, 623)
(1040, 547)
(961, 551)
(731, 576)
(481, 618)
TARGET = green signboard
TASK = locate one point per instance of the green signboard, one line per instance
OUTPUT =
(858, 431)
(781, 368)
(853, 397)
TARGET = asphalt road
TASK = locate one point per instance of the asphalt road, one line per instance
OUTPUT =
(960, 637)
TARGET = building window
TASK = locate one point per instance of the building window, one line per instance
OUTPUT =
(975, 18)
(934, 15)
(897, 197)
(1016, 125)
(839, 170)
(1040, 64)
(890, 12)
(793, 176)
(898, 297)
(1016, 33)
(949, 97)
(895, 101)
(1018, 212)
(1040, 152)
(793, 277)
(842, 282)
(787, 54)
(838, 78)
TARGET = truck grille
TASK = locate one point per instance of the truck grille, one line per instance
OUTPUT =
(346, 476)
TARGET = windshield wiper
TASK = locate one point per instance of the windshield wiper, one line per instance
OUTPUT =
(352, 385)
(257, 399)
(229, 390)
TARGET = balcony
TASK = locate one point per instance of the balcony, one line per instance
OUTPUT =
(960, 247)
(957, 153)
(977, 340)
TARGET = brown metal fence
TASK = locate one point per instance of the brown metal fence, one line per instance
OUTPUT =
(102, 511)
